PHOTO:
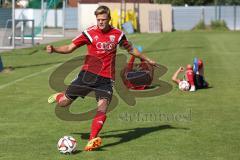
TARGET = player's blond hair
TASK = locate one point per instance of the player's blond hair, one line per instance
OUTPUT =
(103, 10)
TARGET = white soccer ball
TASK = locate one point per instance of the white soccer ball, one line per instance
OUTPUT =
(184, 86)
(67, 144)
(23, 3)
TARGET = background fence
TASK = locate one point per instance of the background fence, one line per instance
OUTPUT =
(185, 18)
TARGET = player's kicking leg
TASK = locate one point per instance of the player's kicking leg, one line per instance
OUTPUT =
(54, 98)
(75, 89)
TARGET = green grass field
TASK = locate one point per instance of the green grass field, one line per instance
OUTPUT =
(204, 125)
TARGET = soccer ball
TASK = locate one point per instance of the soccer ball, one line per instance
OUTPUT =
(23, 3)
(184, 86)
(67, 145)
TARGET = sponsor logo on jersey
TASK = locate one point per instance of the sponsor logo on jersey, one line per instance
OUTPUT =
(106, 46)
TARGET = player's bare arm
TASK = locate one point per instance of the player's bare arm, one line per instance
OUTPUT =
(137, 54)
(134, 51)
(66, 49)
(175, 75)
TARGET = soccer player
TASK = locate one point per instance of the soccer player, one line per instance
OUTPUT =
(194, 76)
(98, 71)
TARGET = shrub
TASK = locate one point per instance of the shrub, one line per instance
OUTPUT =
(215, 25)
(200, 26)
(219, 25)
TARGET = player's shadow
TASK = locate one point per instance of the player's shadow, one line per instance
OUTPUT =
(127, 135)
(76, 152)
(209, 87)
(204, 88)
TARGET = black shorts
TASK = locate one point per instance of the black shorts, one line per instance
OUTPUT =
(87, 82)
(200, 82)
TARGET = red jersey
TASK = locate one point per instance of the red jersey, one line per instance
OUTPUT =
(102, 48)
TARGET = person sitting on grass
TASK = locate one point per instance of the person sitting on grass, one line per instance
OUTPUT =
(193, 78)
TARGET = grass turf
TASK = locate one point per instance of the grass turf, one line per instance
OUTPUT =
(177, 125)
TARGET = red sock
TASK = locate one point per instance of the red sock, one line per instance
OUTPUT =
(200, 64)
(97, 124)
(190, 77)
(59, 96)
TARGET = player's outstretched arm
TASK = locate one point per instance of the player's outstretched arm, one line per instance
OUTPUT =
(139, 55)
(66, 49)
(134, 51)
(124, 43)
(175, 75)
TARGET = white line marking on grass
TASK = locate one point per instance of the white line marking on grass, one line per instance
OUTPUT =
(47, 69)
(28, 76)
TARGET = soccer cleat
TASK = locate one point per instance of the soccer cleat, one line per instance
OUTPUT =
(93, 144)
(53, 98)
